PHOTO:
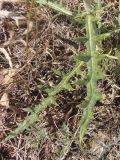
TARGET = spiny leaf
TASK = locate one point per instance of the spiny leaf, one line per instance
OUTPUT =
(106, 35)
(81, 39)
(69, 87)
(44, 104)
(94, 74)
(30, 120)
(85, 120)
(82, 57)
(29, 110)
(50, 100)
(59, 73)
(55, 6)
(81, 82)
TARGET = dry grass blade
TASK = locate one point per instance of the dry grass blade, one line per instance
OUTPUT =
(7, 56)
(29, 28)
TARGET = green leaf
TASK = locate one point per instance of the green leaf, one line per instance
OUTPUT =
(29, 110)
(30, 120)
(106, 35)
(85, 120)
(50, 100)
(94, 74)
(83, 57)
(81, 39)
(69, 87)
(59, 73)
(55, 6)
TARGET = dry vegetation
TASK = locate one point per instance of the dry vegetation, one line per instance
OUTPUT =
(34, 42)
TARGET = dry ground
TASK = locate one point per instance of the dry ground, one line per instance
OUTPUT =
(33, 41)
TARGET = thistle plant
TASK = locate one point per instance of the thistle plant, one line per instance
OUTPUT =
(90, 58)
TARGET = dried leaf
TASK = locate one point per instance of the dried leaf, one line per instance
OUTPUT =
(6, 76)
(7, 56)
(29, 28)
(4, 14)
(97, 147)
(4, 101)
